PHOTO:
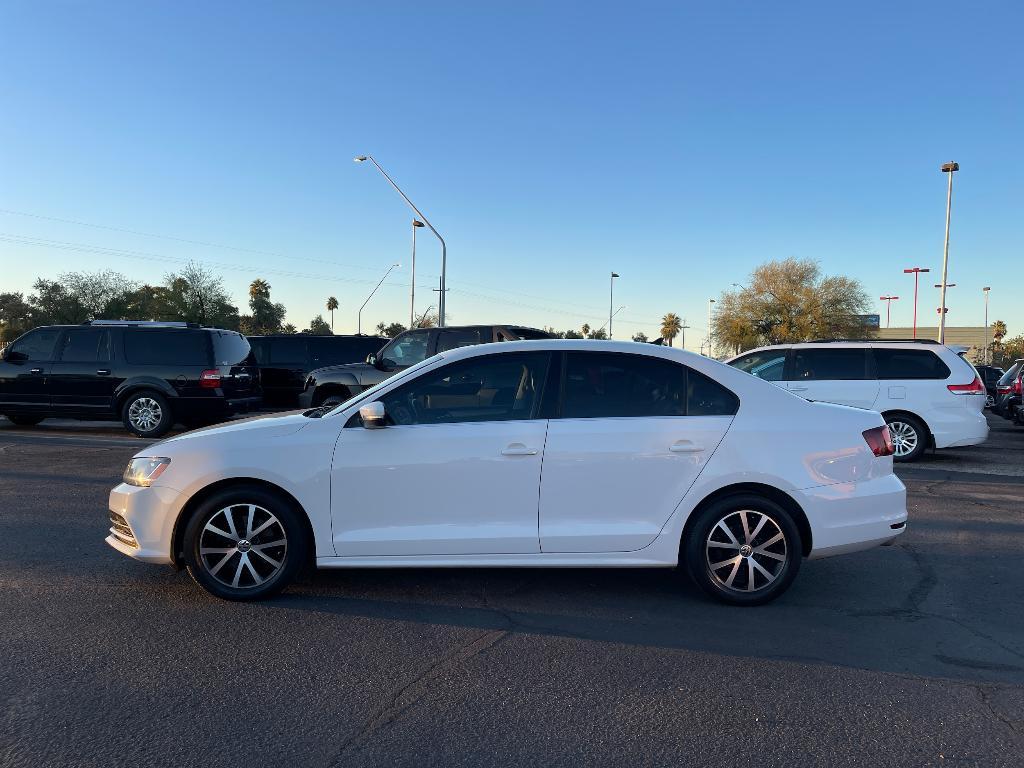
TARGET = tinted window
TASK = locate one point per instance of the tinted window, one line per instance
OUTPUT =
(260, 350)
(769, 365)
(492, 388)
(86, 345)
(335, 350)
(169, 347)
(460, 337)
(1010, 376)
(230, 348)
(909, 364)
(288, 350)
(406, 349)
(601, 384)
(36, 345)
(529, 333)
(830, 363)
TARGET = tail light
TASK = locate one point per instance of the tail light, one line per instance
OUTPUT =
(974, 388)
(1016, 388)
(879, 441)
(209, 379)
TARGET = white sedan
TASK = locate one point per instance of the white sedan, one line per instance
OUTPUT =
(523, 454)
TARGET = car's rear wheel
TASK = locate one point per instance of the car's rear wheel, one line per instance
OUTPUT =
(25, 421)
(147, 414)
(743, 550)
(909, 436)
(245, 543)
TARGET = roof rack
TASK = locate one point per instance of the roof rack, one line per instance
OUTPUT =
(874, 341)
(145, 323)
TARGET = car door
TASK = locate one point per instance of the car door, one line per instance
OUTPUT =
(457, 469)
(834, 374)
(23, 372)
(82, 376)
(632, 435)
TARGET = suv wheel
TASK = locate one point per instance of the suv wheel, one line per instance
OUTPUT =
(909, 436)
(25, 421)
(744, 550)
(147, 414)
(245, 543)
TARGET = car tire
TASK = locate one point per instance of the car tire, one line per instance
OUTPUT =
(333, 400)
(245, 543)
(147, 413)
(909, 436)
(743, 550)
(25, 421)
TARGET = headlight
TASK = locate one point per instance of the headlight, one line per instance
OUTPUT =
(143, 471)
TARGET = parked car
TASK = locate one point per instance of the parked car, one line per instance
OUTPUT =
(1008, 390)
(148, 375)
(652, 457)
(990, 375)
(335, 384)
(285, 361)
(927, 393)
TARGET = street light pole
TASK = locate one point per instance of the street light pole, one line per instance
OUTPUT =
(710, 302)
(988, 341)
(943, 309)
(416, 224)
(359, 323)
(444, 247)
(949, 168)
(917, 273)
(610, 318)
(888, 306)
(611, 301)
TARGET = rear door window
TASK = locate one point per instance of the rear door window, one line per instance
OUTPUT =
(165, 346)
(909, 364)
(830, 364)
(85, 345)
(289, 349)
(460, 337)
(334, 350)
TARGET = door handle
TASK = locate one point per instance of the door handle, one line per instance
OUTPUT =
(798, 389)
(103, 372)
(36, 370)
(518, 449)
(685, 446)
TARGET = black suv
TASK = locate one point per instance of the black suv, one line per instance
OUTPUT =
(149, 375)
(327, 386)
(286, 360)
(990, 376)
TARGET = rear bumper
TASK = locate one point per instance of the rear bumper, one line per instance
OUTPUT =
(244, 404)
(847, 517)
(967, 428)
(150, 513)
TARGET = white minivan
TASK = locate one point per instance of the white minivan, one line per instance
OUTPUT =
(927, 393)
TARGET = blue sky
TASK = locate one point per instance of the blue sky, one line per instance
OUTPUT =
(679, 144)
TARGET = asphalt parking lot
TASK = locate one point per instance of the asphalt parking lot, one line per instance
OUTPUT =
(907, 655)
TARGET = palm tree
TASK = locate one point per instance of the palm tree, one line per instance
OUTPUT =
(259, 287)
(998, 331)
(586, 330)
(332, 304)
(670, 327)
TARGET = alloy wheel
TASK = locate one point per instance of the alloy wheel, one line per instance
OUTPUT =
(746, 551)
(243, 546)
(904, 438)
(145, 414)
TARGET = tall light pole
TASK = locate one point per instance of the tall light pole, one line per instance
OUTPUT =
(359, 323)
(949, 168)
(988, 341)
(416, 224)
(943, 309)
(444, 248)
(710, 302)
(917, 273)
(611, 301)
(888, 306)
(682, 334)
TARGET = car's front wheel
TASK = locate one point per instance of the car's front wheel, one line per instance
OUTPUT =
(909, 436)
(24, 421)
(743, 550)
(245, 543)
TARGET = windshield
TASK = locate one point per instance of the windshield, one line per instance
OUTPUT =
(1009, 376)
(407, 349)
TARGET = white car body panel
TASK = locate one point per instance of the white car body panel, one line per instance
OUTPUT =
(617, 487)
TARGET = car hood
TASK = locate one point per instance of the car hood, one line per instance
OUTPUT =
(258, 427)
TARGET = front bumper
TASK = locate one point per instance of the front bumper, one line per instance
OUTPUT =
(149, 513)
(847, 517)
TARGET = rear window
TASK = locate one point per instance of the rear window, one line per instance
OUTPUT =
(1010, 376)
(909, 364)
(230, 348)
(166, 346)
(337, 350)
(289, 349)
(529, 333)
(460, 337)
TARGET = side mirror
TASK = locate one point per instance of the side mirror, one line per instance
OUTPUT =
(371, 359)
(372, 415)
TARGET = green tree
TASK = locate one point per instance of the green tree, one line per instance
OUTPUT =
(585, 330)
(998, 331)
(196, 295)
(319, 327)
(640, 337)
(16, 316)
(289, 328)
(789, 301)
(600, 333)
(332, 304)
(671, 325)
(426, 320)
(267, 316)
(1009, 351)
(53, 304)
